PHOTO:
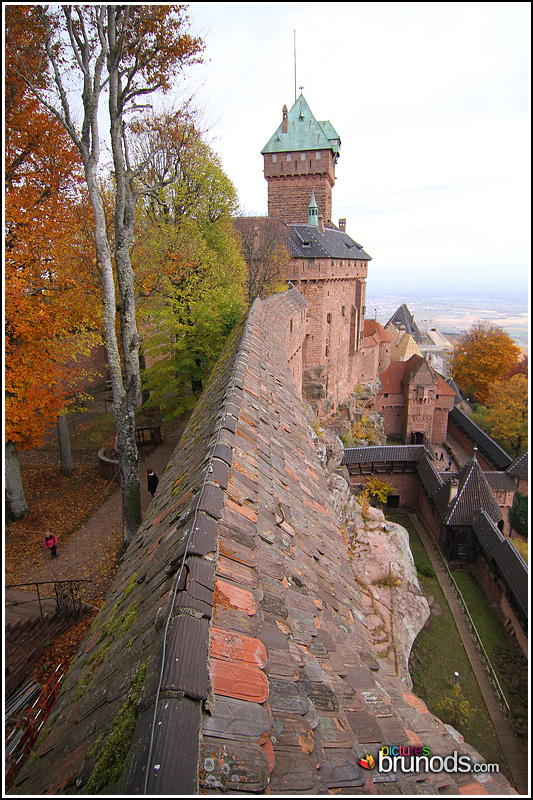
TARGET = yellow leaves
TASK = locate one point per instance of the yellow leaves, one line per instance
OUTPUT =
(485, 354)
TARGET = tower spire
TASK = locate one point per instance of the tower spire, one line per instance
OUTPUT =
(312, 211)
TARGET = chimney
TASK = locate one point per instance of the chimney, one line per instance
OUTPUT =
(454, 486)
(285, 124)
(342, 225)
(402, 332)
(321, 224)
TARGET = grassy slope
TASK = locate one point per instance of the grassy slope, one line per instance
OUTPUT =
(438, 653)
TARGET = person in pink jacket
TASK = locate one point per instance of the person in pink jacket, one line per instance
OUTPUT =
(50, 542)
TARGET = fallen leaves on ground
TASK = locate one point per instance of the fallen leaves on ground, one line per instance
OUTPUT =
(63, 649)
(56, 501)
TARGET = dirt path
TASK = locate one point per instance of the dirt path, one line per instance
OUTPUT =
(90, 553)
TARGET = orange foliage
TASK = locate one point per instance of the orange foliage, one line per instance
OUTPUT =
(44, 305)
(483, 356)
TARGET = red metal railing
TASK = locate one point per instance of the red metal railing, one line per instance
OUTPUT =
(26, 729)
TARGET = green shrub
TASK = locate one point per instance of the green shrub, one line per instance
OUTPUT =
(518, 514)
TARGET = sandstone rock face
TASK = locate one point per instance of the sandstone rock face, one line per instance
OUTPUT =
(396, 609)
(330, 449)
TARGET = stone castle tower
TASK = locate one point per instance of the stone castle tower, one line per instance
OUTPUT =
(300, 159)
(326, 265)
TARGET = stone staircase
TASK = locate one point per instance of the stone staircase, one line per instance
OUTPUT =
(29, 628)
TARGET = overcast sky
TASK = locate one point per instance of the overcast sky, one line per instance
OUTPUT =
(431, 102)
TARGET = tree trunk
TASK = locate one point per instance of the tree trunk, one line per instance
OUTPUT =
(125, 397)
(125, 401)
(16, 506)
(65, 453)
(145, 396)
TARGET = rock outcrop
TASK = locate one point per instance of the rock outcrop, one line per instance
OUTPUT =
(394, 604)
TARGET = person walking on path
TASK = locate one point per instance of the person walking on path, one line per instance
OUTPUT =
(153, 481)
(50, 542)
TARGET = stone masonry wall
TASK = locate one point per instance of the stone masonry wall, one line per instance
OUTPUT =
(291, 185)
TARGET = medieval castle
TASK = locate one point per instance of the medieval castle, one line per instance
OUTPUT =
(233, 652)
(334, 349)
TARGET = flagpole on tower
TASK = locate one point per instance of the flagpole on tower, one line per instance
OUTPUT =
(294, 66)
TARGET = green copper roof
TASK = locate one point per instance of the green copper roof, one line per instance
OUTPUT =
(304, 132)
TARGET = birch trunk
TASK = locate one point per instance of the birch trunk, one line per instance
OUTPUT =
(16, 506)
(127, 399)
(65, 453)
(125, 393)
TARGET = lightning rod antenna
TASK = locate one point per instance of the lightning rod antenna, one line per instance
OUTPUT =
(294, 66)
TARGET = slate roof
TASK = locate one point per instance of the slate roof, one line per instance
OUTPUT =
(473, 495)
(458, 395)
(429, 474)
(304, 132)
(307, 241)
(489, 447)
(232, 652)
(511, 565)
(500, 481)
(519, 467)
(402, 316)
(367, 455)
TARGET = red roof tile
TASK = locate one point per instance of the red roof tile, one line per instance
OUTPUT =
(237, 647)
(239, 680)
(235, 597)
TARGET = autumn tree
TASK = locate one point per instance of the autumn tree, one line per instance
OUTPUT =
(49, 317)
(483, 355)
(190, 275)
(128, 52)
(379, 490)
(505, 416)
(264, 246)
(520, 368)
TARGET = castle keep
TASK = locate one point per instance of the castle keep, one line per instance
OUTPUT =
(327, 266)
(300, 159)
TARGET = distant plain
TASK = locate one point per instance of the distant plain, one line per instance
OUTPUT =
(451, 311)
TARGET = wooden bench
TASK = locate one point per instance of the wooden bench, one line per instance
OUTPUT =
(148, 434)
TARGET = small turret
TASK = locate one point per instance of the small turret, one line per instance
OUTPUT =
(312, 212)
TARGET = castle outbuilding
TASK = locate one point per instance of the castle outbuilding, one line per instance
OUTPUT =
(414, 401)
